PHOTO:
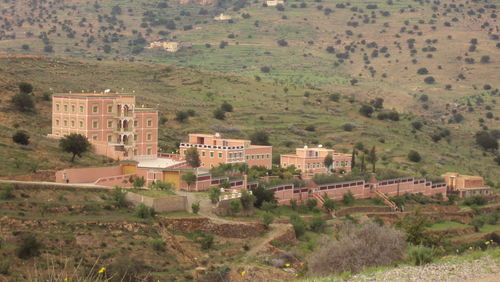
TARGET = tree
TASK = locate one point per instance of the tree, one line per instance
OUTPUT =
(317, 223)
(193, 157)
(260, 137)
(373, 158)
(366, 110)
(486, 140)
(328, 161)
(21, 137)
(378, 103)
(234, 207)
(29, 247)
(348, 198)
(219, 114)
(328, 204)
(139, 182)
(363, 166)
(23, 102)
(226, 107)
(247, 200)
(311, 204)
(263, 195)
(195, 207)
(414, 156)
(353, 158)
(429, 80)
(485, 59)
(25, 87)
(181, 116)
(267, 219)
(422, 71)
(190, 178)
(75, 144)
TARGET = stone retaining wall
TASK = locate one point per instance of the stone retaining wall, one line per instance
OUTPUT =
(167, 204)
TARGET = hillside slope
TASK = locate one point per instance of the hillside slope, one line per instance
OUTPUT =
(293, 116)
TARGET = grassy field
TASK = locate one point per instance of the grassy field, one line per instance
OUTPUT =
(282, 110)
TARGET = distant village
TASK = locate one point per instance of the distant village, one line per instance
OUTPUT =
(117, 128)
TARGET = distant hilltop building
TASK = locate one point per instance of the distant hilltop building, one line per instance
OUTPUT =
(466, 185)
(165, 45)
(272, 3)
(311, 160)
(200, 2)
(112, 122)
(214, 150)
(222, 17)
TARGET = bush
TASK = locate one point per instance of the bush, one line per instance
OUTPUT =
(348, 127)
(143, 211)
(4, 267)
(206, 241)
(311, 204)
(282, 43)
(317, 223)
(127, 269)
(429, 80)
(181, 116)
(219, 114)
(226, 107)
(267, 219)
(348, 198)
(367, 245)
(195, 207)
(366, 110)
(265, 69)
(414, 156)
(486, 140)
(260, 138)
(334, 97)
(299, 225)
(214, 194)
(23, 102)
(29, 247)
(158, 245)
(234, 207)
(119, 197)
(417, 125)
(6, 192)
(420, 255)
(247, 200)
(476, 200)
(422, 71)
(138, 182)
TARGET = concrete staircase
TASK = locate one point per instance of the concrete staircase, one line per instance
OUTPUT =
(319, 199)
(386, 200)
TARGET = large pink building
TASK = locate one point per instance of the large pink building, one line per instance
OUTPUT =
(214, 150)
(311, 160)
(112, 122)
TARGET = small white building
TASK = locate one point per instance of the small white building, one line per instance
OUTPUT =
(163, 45)
(222, 17)
(272, 3)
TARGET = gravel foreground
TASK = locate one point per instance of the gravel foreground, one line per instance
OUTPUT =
(483, 269)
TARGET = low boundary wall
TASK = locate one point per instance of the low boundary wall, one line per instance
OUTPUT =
(167, 204)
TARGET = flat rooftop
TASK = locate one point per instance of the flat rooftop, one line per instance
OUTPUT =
(158, 163)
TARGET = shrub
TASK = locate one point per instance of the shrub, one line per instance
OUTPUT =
(6, 192)
(486, 140)
(414, 156)
(476, 200)
(267, 219)
(160, 185)
(334, 97)
(310, 128)
(311, 204)
(214, 194)
(226, 107)
(234, 207)
(414, 225)
(195, 207)
(348, 198)
(317, 223)
(422, 71)
(420, 255)
(219, 114)
(282, 43)
(366, 110)
(265, 69)
(206, 241)
(143, 211)
(23, 102)
(29, 247)
(263, 195)
(119, 197)
(329, 204)
(128, 269)
(367, 245)
(260, 138)
(158, 245)
(348, 127)
(485, 59)
(139, 182)
(429, 80)
(299, 225)
(417, 125)
(181, 116)
(4, 267)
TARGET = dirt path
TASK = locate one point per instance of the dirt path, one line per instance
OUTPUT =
(277, 230)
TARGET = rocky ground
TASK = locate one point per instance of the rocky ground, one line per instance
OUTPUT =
(482, 269)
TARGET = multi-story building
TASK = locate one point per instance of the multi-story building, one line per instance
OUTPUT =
(466, 185)
(111, 121)
(214, 150)
(311, 160)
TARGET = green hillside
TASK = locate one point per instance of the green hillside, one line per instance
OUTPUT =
(293, 116)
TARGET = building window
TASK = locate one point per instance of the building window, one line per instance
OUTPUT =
(57, 107)
(211, 154)
(135, 152)
(57, 122)
(136, 123)
(150, 151)
(110, 108)
(253, 157)
(81, 124)
(95, 124)
(65, 123)
(95, 109)
(94, 137)
(150, 123)
(248, 157)
(110, 138)
(81, 109)
(203, 153)
(65, 108)
(110, 123)
(135, 137)
(72, 123)
(149, 137)
(268, 156)
(230, 155)
(72, 108)
(220, 155)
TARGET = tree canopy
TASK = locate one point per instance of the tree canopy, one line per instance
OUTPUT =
(75, 144)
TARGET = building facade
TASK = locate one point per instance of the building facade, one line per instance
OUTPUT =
(311, 160)
(112, 123)
(214, 150)
(466, 185)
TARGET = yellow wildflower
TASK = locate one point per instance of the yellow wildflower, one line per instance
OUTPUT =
(102, 270)
(287, 265)
(243, 273)
(66, 279)
(470, 248)
(487, 242)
